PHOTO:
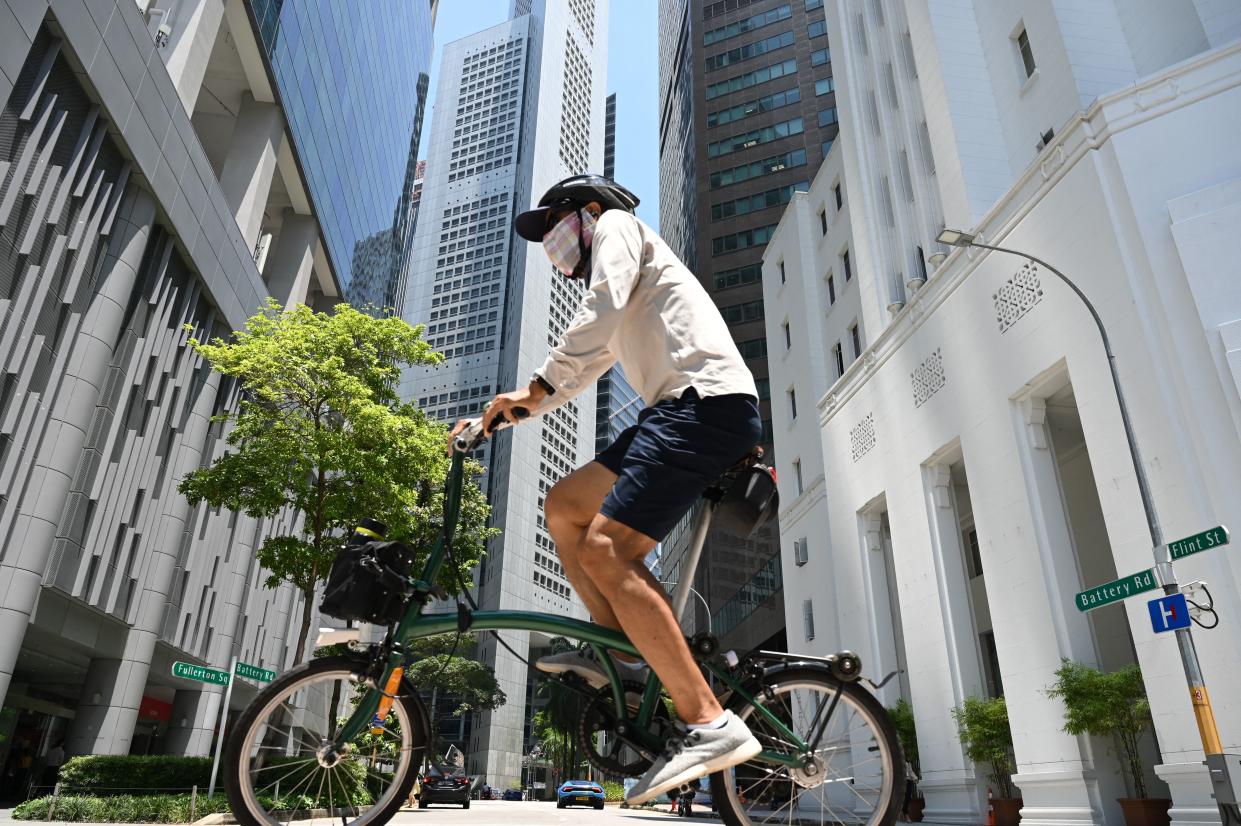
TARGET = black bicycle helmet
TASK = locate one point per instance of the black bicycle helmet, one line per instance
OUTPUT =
(574, 191)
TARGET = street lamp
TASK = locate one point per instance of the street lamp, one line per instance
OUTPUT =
(701, 599)
(1163, 561)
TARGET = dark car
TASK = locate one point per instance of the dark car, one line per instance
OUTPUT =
(512, 794)
(579, 793)
(443, 787)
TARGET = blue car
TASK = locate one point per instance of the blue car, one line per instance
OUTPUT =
(579, 793)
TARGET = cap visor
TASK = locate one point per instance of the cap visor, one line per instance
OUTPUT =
(532, 224)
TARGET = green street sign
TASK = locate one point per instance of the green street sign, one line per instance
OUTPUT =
(1117, 590)
(189, 671)
(253, 672)
(1198, 543)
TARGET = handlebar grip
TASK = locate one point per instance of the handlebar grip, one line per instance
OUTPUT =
(498, 420)
(473, 435)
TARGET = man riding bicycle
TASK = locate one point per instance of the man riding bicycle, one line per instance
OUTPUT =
(646, 310)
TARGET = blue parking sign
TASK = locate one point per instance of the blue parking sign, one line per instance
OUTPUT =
(1169, 613)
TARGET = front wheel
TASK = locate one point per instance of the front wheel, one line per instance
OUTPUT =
(853, 775)
(280, 762)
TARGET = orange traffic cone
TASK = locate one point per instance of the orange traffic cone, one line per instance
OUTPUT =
(990, 808)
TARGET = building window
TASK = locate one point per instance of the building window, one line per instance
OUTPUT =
(757, 137)
(748, 79)
(825, 85)
(838, 356)
(764, 388)
(827, 116)
(807, 617)
(820, 56)
(754, 107)
(817, 29)
(831, 289)
(743, 313)
(754, 203)
(826, 147)
(788, 336)
(749, 50)
(801, 551)
(823, 222)
(793, 402)
(767, 166)
(745, 239)
(748, 24)
(755, 348)
(920, 257)
(1023, 49)
(739, 276)
(856, 337)
(797, 475)
(840, 198)
(1044, 139)
(844, 260)
(783, 276)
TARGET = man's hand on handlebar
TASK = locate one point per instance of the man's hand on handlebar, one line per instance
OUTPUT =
(504, 409)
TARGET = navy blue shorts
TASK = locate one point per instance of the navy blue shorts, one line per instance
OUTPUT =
(677, 448)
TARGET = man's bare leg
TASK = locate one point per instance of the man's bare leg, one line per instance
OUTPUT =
(613, 557)
(571, 505)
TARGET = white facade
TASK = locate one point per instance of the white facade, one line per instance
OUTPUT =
(519, 107)
(974, 473)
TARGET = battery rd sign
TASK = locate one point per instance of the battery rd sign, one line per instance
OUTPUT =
(1117, 590)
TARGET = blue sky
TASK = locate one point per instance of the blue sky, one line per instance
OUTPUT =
(633, 71)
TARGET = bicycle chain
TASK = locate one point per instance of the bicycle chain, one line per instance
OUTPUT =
(599, 716)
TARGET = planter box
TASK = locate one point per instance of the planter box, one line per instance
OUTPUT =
(1007, 810)
(1147, 812)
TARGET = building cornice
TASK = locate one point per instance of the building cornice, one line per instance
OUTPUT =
(1174, 88)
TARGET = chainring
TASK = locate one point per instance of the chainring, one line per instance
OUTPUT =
(599, 717)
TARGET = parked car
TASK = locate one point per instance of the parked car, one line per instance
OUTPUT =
(443, 787)
(512, 794)
(579, 793)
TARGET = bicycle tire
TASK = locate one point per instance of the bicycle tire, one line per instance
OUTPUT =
(241, 741)
(724, 785)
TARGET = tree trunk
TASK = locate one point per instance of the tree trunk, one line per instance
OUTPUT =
(308, 604)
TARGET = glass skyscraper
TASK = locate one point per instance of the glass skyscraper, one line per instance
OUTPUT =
(353, 80)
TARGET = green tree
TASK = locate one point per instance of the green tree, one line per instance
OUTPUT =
(902, 716)
(458, 679)
(321, 430)
(1106, 705)
(983, 728)
(558, 722)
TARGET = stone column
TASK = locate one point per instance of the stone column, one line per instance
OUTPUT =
(56, 460)
(195, 713)
(939, 646)
(106, 725)
(251, 164)
(1055, 775)
(194, 25)
(291, 260)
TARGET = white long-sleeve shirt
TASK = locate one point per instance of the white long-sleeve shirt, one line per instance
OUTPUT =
(646, 310)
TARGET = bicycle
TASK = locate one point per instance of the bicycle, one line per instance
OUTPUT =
(352, 723)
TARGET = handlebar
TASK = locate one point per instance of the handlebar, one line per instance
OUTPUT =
(473, 435)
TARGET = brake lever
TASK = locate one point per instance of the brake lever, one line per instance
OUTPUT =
(474, 435)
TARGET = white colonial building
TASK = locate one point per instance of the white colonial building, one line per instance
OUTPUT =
(965, 472)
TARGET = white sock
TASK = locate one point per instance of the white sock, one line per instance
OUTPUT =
(718, 722)
(632, 666)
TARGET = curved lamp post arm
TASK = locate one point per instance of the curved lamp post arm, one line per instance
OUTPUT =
(1144, 489)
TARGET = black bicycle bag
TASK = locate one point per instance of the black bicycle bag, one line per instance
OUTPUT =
(369, 582)
(749, 502)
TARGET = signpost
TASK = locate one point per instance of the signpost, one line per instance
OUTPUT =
(1169, 613)
(219, 740)
(1116, 590)
(201, 673)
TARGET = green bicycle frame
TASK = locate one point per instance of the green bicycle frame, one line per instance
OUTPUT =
(415, 625)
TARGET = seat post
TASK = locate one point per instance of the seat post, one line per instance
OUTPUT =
(685, 579)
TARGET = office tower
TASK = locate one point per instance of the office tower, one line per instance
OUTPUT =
(519, 106)
(359, 132)
(955, 471)
(747, 113)
(150, 178)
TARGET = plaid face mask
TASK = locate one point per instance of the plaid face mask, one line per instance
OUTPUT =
(562, 244)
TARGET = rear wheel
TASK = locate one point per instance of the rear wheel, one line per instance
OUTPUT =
(851, 777)
(281, 762)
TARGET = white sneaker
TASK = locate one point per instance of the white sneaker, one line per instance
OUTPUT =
(693, 754)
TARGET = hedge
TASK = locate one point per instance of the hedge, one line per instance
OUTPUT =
(126, 808)
(613, 792)
(105, 774)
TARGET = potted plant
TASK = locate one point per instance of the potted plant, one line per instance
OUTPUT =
(983, 728)
(902, 716)
(1115, 706)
